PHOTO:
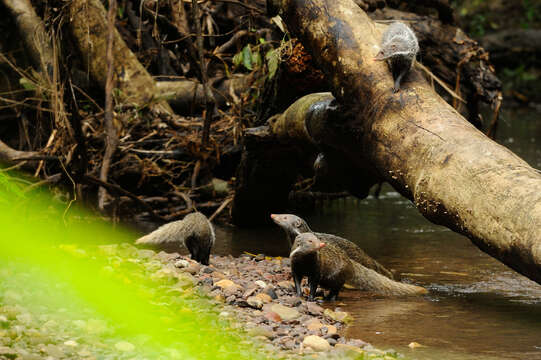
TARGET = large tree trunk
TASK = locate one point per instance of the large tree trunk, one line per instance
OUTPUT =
(455, 175)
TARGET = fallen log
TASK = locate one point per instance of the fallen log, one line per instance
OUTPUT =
(454, 174)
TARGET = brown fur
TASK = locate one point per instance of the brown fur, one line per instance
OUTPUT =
(294, 225)
(330, 267)
(194, 232)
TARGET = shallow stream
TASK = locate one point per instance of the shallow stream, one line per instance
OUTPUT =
(477, 309)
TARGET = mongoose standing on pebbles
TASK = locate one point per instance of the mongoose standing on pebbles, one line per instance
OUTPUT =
(294, 225)
(399, 47)
(194, 231)
(330, 267)
(323, 264)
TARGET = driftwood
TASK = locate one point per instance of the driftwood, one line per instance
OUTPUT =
(89, 28)
(454, 174)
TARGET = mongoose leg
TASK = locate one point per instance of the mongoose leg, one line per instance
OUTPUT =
(313, 288)
(396, 87)
(298, 288)
(333, 294)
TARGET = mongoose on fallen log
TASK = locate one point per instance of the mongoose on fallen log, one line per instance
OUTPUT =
(195, 232)
(294, 225)
(399, 47)
(330, 267)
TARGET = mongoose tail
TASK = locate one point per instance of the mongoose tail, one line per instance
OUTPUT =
(195, 232)
(294, 225)
(369, 280)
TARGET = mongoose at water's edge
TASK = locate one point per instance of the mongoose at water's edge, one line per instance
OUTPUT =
(329, 267)
(399, 47)
(323, 264)
(194, 231)
(294, 225)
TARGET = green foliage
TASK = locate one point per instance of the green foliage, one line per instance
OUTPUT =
(109, 298)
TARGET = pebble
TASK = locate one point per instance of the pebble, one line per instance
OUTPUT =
(255, 302)
(224, 283)
(316, 343)
(182, 263)
(264, 298)
(124, 346)
(261, 284)
(285, 313)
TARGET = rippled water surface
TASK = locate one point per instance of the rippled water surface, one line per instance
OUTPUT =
(477, 309)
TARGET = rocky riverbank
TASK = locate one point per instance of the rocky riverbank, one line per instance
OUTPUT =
(258, 293)
(251, 297)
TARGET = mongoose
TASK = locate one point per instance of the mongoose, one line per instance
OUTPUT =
(323, 264)
(194, 231)
(399, 47)
(294, 225)
(330, 267)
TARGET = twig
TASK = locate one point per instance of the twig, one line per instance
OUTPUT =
(49, 180)
(208, 100)
(111, 140)
(195, 174)
(491, 131)
(219, 210)
(439, 81)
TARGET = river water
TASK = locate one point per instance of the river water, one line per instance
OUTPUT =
(477, 307)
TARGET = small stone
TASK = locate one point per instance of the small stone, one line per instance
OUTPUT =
(286, 284)
(262, 331)
(54, 351)
(285, 313)
(270, 291)
(414, 345)
(224, 283)
(314, 308)
(208, 270)
(71, 343)
(223, 314)
(314, 325)
(249, 292)
(255, 302)
(331, 329)
(261, 284)
(182, 263)
(272, 316)
(331, 341)
(124, 346)
(230, 299)
(232, 290)
(145, 253)
(316, 343)
(193, 268)
(264, 297)
(8, 352)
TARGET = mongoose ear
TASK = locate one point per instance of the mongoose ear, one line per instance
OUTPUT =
(380, 56)
(298, 223)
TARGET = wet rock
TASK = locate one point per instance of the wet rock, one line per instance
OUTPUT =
(193, 268)
(124, 346)
(340, 316)
(255, 302)
(292, 300)
(230, 299)
(265, 331)
(232, 290)
(207, 270)
(331, 341)
(316, 343)
(285, 313)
